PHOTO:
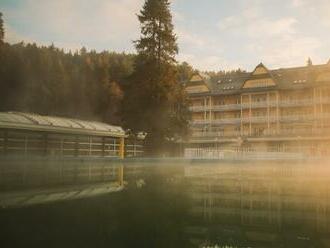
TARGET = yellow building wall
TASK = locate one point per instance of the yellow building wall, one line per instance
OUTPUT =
(260, 70)
(197, 89)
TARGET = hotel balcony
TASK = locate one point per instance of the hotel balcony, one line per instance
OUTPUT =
(297, 118)
(263, 104)
(232, 135)
(224, 121)
(216, 134)
(198, 108)
(259, 119)
(304, 118)
(225, 107)
(296, 103)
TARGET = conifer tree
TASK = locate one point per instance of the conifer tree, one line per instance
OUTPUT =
(309, 62)
(154, 97)
(2, 31)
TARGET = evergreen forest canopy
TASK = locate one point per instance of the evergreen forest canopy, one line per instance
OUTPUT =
(142, 92)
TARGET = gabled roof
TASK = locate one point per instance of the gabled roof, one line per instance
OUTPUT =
(198, 83)
(199, 77)
(284, 78)
(35, 122)
(260, 70)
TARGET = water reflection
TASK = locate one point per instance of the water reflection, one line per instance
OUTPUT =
(277, 204)
(267, 205)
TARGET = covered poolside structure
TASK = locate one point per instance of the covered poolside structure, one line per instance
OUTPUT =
(38, 151)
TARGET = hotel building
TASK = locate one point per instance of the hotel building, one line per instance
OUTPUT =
(265, 111)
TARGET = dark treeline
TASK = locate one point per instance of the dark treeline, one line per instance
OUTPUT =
(46, 80)
(83, 84)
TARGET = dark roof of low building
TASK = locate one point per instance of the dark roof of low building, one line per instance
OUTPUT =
(285, 78)
(36, 122)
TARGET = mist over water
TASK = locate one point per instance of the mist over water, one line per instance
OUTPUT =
(238, 204)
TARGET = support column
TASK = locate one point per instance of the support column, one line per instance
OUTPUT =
(268, 123)
(90, 146)
(314, 110)
(114, 149)
(250, 114)
(277, 114)
(205, 109)
(242, 131)
(121, 147)
(210, 111)
(103, 146)
(321, 109)
(134, 148)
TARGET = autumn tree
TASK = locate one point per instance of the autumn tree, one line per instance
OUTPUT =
(154, 96)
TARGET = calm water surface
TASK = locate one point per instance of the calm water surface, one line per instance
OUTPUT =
(278, 204)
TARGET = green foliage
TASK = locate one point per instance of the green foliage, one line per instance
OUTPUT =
(154, 101)
(82, 84)
(2, 31)
(157, 42)
(48, 81)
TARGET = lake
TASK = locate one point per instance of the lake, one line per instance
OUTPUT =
(198, 204)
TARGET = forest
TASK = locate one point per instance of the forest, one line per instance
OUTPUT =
(82, 84)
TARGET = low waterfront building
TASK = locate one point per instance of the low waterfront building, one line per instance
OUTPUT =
(284, 111)
(38, 150)
(35, 135)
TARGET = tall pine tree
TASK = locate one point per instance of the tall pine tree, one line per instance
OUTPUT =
(2, 31)
(154, 100)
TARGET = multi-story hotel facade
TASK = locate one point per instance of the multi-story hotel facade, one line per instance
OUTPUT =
(265, 111)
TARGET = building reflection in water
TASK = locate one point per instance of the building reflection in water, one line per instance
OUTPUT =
(273, 204)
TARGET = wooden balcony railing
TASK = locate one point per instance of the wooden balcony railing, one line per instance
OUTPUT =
(217, 121)
(262, 104)
(297, 118)
(294, 103)
(302, 132)
(259, 119)
(303, 118)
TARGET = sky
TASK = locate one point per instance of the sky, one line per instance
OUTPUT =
(212, 34)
